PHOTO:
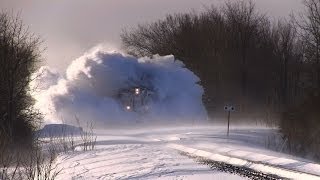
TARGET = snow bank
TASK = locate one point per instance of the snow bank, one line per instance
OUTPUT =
(283, 167)
(90, 85)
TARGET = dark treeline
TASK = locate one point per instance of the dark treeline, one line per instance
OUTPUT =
(268, 69)
(19, 55)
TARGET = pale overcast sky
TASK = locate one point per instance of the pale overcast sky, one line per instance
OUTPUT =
(70, 27)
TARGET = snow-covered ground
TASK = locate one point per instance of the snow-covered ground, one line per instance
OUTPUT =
(152, 153)
(134, 160)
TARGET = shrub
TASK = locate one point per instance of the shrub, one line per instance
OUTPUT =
(300, 126)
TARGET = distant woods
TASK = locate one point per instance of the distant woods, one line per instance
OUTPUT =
(268, 69)
(19, 55)
(241, 57)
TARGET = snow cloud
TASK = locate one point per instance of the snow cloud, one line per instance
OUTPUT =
(90, 89)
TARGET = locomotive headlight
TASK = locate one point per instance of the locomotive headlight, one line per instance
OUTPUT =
(137, 91)
(128, 108)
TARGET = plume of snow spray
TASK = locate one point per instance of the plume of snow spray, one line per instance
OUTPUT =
(92, 82)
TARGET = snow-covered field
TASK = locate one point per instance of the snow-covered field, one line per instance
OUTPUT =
(134, 160)
(152, 153)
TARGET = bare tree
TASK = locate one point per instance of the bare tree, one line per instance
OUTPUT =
(299, 123)
(308, 23)
(243, 21)
(19, 55)
(221, 45)
(284, 40)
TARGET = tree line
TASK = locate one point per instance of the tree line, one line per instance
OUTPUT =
(19, 57)
(269, 69)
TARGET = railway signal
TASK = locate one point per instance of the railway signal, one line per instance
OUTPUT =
(229, 109)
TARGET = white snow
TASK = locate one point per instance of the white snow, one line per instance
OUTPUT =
(278, 167)
(133, 156)
(134, 161)
(154, 154)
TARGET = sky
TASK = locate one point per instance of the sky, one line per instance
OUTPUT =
(71, 27)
